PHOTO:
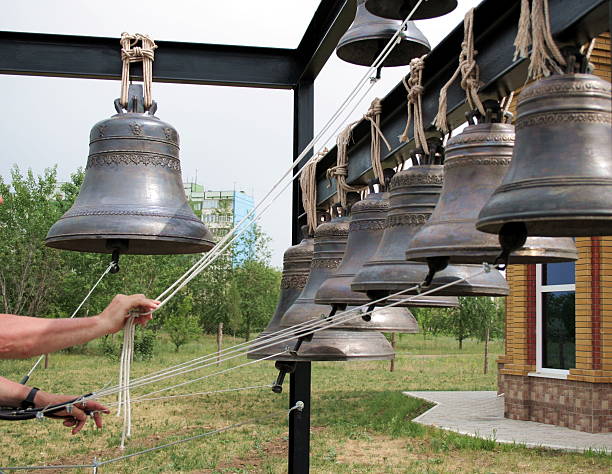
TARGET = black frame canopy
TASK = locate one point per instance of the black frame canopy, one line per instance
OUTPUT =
(495, 26)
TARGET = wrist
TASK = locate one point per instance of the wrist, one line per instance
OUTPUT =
(102, 326)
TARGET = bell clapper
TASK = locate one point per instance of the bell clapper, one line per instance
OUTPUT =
(512, 236)
(116, 246)
(284, 368)
(435, 264)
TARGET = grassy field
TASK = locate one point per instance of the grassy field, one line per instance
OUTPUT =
(360, 420)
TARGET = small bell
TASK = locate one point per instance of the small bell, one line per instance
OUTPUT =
(475, 163)
(296, 267)
(366, 228)
(132, 199)
(368, 35)
(330, 344)
(559, 183)
(414, 193)
(400, 9)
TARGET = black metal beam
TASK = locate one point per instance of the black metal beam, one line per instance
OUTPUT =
(192, 63)
(495, 25)
(329, 23)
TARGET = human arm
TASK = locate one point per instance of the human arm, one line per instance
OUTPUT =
(12, 394)
(23, 336)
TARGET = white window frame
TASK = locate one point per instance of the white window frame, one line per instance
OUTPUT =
(540, 289)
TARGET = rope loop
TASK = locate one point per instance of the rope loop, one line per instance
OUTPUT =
(340, 170)
(376, 134)
(470, 76)
(308, 184)
(131, 53)
(534, 30)
(414, 90)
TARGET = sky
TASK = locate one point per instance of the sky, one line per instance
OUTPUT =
(231, 137)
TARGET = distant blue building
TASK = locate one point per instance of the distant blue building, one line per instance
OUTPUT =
(221, 211)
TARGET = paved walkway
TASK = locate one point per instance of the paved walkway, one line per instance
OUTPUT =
(482, 414)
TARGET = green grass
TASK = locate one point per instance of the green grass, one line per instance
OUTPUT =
(360, 420)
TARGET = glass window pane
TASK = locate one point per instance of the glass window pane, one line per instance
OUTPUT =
(559, 273)
(558, 330)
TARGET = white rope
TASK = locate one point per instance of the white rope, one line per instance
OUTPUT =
(108, 269)
(305, 330)
(124, 404)
(144, 398)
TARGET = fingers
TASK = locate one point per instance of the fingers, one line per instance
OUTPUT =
(80, 419)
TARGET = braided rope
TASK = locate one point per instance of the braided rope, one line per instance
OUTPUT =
(130, 53)
(414, 90)
(308, 184)
(376, 134)
(470, 75)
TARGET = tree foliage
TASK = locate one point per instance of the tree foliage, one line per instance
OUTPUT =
(40, 281)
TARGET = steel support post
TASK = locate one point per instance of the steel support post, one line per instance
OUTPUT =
(299, 422)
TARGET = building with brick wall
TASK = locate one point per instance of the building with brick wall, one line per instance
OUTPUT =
(557, 365)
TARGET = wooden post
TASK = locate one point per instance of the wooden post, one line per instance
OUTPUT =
(219, 341)
(46, 361)
(486, 351)
(392, 366)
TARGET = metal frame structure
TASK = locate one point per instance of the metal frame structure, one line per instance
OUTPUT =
(296, 69)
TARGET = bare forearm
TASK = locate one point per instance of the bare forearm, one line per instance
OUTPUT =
(23, 336)
(12, 393)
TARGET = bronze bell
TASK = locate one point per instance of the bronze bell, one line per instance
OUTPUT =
(400, 9)
(132, 199)
(559, 183)
(367, 224)
(296, 267)
(368, 35)
(331, 344)
(414, 193)
(475, 163)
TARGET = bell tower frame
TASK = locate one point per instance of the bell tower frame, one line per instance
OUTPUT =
(23, 53)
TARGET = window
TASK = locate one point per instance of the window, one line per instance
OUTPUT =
(555, 318)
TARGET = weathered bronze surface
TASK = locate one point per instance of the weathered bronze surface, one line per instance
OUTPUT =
(476, 162)
(367, 224)
(132, 197)
(400, 9)
(414, 193)
(384, 319)
(369, 34)
(560, 180)
(331, 344)
(296, 267)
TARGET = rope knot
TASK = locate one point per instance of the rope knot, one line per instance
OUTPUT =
(414, 88)
(131, 53)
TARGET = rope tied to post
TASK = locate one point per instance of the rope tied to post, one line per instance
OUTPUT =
(376, 134)
(130, 53)
(534, 30)
(308, 184)
(340, 171)
(414, 89)
(470, 76)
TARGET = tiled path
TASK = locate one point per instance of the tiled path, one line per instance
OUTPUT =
(482, 414)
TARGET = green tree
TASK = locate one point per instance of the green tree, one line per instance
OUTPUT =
(180, 324)
(29, 271)
(258, 285)
(432, 321)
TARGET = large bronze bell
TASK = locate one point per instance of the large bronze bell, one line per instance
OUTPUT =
(331, 344)
(132, 199)
(366, 228)
(296, 267)
(400, 9)
(560, 180)
(368, 35)
(475, 164)
(414, 193)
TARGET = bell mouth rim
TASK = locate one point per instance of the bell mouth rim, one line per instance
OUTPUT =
(393, 60)
(523, 256)
(196, 245)
(421, 13)
(541, 226)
